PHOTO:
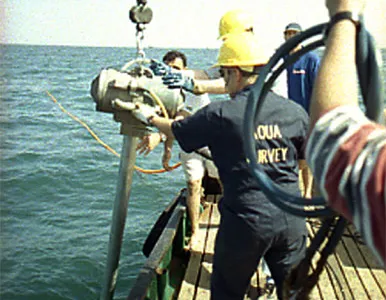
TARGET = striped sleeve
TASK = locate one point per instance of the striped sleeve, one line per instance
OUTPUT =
(347, 155)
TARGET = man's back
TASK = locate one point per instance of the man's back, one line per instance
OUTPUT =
(300, 78)
(251, 226)
(280, 135)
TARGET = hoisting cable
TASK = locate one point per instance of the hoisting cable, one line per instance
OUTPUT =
(144, 171)
(141, 15)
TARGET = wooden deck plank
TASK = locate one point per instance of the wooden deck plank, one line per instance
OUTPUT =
(378, 274)
(188, 287)
(341, 279)
(203, 290)
(350, 272)
(367, 287)
(352, 285)
(348, 280)
(359, 288)
(323, 289)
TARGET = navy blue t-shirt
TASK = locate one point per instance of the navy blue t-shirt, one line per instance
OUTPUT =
(280, 133)
(300, 79)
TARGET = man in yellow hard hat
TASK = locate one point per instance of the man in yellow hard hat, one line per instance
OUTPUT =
(234, 22)
(210, 81)
(251, 227)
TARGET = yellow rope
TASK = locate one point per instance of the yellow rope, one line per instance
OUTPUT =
(103, 143)
(159, 102)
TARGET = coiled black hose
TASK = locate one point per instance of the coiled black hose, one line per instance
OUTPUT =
(371, 88)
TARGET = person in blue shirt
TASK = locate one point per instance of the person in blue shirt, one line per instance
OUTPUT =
(301, 75)
(251, 227)
(300, 82)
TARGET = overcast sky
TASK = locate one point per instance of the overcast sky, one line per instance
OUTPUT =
(176, 23)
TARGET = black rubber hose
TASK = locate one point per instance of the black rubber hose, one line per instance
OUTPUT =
(370, 82)
(369, 75)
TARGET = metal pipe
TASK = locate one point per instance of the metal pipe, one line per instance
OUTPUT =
(125, 179)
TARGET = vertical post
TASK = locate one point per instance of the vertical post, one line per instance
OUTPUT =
(125, 179)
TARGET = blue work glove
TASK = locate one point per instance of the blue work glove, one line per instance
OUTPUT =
(159, 68)
(178, 80)
(144, 112)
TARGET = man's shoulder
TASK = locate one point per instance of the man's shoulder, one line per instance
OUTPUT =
(226, 109)
(212, 108)
(286, 106)
(223, 105)
(198, 100)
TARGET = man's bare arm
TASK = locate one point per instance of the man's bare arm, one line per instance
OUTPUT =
(336, 83)
(211, 86)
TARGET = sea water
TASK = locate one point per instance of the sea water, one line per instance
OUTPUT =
(58, 184)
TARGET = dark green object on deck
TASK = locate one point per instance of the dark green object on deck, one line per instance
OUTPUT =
(164, 269)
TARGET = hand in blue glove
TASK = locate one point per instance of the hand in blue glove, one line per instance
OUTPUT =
(159, 68)
(178, 80)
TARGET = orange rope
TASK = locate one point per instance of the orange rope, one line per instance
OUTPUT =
(103, 143)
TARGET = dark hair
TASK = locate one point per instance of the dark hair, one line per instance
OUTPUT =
(172, 55)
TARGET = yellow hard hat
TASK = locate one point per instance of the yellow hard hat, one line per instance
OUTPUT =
(241, 50)
(235, 21)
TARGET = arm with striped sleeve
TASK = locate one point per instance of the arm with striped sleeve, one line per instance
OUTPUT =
(347, 155)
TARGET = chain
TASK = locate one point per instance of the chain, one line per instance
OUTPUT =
(140, 14)
(139, 40)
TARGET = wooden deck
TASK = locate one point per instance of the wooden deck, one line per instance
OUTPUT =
(350, 273)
